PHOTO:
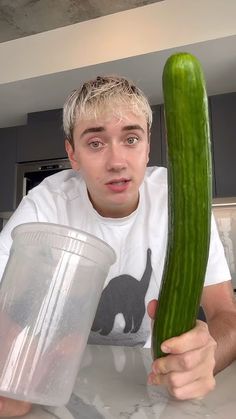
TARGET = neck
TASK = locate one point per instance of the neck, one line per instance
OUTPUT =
(116, 211)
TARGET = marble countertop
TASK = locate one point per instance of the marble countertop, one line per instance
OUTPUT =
(112, 384)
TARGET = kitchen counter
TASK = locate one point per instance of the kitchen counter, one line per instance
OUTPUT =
(112, 384)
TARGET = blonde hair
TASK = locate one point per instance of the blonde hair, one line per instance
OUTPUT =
(103, 95)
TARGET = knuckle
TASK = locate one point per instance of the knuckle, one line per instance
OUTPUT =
(202, 325)
(210, 385)
(213, 343)
(186, 361)
(157, 366)
(211, 354)
(205, 338)
(213, 363)
(204, 335)
(176, 393)
(162, 367)
(173, 380)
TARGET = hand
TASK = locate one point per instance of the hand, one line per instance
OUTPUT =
(10, 407)
(188, 369)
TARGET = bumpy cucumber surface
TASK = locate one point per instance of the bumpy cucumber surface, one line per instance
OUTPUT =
(189, 198)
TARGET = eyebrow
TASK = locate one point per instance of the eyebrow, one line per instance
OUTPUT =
(101, 129)
(92, 129)
(132, 127)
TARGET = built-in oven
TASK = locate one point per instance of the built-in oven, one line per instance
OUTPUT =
(30, 174)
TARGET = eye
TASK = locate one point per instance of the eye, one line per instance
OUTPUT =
(96, 144)
(132, 140)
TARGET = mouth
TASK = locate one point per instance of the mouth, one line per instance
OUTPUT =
(119, 181)
(118, 185)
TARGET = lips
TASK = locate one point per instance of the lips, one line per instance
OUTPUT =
(118, 185)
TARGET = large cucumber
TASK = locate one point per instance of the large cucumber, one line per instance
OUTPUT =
(189, 198)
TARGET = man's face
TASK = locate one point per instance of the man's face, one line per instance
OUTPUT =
(111, 154)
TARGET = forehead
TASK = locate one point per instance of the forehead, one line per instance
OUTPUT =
(111, 120)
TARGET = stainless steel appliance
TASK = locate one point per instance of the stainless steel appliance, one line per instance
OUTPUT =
(224, 210)
(4, 217)
(30, 174)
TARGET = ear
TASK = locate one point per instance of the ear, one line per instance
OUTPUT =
(148, 149)
(71, 155)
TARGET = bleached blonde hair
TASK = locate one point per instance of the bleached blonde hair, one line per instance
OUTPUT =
(104, 95)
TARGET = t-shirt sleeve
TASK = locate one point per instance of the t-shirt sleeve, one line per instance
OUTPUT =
(25, 213)
(217, 267)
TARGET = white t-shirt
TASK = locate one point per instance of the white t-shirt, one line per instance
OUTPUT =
(139, 241)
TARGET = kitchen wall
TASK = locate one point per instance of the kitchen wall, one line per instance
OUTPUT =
(38, 71)
(156, 27)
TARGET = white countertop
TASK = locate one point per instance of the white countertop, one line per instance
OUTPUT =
(112, 384)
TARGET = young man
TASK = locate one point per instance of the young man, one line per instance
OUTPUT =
(110, 193)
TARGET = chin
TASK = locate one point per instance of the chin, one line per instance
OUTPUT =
(123, 208)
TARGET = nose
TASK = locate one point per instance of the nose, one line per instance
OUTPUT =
(116, 159)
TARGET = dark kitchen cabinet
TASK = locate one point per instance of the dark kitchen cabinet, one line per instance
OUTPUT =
(223, 115)
(221, 185)
(8, 138)
(42, 138)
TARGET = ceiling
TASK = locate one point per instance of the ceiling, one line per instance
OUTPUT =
(23, 18)
(20, 18)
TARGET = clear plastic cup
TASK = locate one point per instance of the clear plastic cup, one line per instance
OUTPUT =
(49, 294)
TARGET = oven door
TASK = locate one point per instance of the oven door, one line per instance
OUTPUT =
(30, 174)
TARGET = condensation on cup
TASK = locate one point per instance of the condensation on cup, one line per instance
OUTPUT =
(49, 295)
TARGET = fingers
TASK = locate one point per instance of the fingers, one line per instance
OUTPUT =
(179, 363)
(194, 339)
(185, 385)
(196, 390)
(10, 407)
(188, 360)
(176, 379)
(187, 370)
(182, 387)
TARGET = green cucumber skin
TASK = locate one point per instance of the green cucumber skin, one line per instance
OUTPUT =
(189, 198)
